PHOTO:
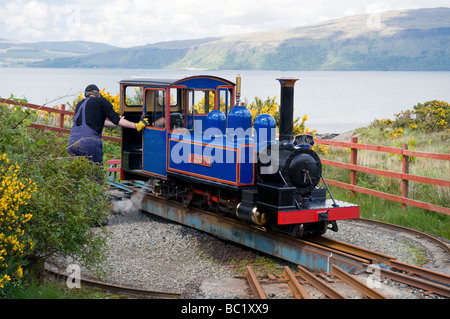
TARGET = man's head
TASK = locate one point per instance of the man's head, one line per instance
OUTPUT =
(92, 90)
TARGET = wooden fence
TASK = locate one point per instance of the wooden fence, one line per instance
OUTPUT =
(61, 113)
(404, 176)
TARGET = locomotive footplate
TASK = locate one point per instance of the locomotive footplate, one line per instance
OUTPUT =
(317, 212)
(284, 203)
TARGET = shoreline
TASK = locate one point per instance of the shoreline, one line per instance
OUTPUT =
(342, 137)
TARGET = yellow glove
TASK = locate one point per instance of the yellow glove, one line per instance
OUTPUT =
(142, 124)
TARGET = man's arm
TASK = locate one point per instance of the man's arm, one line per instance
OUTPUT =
(122, 123)
(108, 123)
(125, 123)
(112, 115)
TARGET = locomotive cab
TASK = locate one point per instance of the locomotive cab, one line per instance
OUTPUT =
(191, 105)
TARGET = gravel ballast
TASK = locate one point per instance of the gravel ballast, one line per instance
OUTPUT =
(148, 252)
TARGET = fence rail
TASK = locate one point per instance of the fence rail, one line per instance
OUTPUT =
(404, 176)
(61, 112)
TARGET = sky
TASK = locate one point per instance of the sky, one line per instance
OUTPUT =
(127, 23)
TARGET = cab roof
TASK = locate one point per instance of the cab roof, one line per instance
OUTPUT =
(195, 82)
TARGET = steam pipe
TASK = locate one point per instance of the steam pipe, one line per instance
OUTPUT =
(238, 89)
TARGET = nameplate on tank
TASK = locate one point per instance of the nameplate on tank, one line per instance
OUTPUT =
(200, 160)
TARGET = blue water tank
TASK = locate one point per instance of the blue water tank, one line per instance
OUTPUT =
(265, 128)
(239, 117)
(216, 119)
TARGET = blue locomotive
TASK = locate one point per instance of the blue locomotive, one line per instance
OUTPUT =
(201, 148)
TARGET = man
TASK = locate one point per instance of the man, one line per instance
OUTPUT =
(91, 115)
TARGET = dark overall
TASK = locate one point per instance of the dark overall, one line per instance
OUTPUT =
(84, 141)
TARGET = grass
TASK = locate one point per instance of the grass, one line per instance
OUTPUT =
(388, 211)
(392, 212)
(50, 288)
(261, 264)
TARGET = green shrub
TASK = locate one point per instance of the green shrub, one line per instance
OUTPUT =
(68, 200)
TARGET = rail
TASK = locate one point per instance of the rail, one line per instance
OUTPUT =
(404, 176)
(297, 284)
(57, 271)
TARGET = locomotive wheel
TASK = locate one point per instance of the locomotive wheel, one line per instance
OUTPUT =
(297, 230)
(185, 200)
(322, 229)
(319, 228)
(316, 229)
(292, 230)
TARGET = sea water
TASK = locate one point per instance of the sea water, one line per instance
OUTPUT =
(334, 101)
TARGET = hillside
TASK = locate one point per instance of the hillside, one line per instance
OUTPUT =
(14, 53)
(394, 40)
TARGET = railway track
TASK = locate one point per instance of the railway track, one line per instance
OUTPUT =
(414, 232)
(373, 257)
(298, 284)
(319, 254)
(323, 282)
(390, 268)
(117, 289)
(428, 280)
(387, 267)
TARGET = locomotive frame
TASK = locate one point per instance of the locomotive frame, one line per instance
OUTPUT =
(201, 148)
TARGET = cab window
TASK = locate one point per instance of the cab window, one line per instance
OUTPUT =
(174, 98)
(203, 102)
(133, 96)
(224, 100)
(155, 106)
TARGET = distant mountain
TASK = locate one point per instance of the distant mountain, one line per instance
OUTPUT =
(394, 40)
(15, 53)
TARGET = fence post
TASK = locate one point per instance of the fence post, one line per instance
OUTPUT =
(61, 118)
(405, 170)
(353, 160)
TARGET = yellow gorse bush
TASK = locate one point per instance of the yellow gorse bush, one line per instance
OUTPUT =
(431, 116)
(14, 193)
(113, 99)
(396, 133)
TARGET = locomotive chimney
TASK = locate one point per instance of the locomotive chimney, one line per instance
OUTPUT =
(287, 110)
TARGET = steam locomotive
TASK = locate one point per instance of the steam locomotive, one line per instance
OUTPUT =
(202, 149)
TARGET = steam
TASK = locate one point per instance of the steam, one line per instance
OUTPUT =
(132, 204)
